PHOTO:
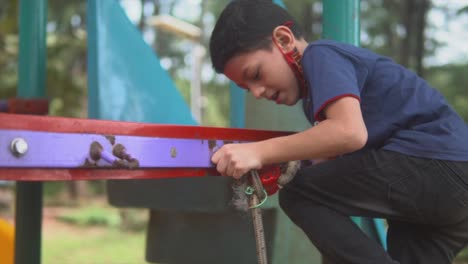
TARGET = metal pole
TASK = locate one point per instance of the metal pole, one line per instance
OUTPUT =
(341, 20)
(31, 84)
(195, 82)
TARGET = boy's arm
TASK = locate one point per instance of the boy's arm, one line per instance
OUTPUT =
(343, 131)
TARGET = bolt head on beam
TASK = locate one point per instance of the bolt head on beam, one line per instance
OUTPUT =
(19, 147)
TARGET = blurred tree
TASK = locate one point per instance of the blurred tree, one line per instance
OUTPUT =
(308, 13)
(66, 58)
(451, 80)
(463, 10)
(8, 48)
(396, 28)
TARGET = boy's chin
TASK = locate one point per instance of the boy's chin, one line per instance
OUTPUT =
(291, 102)
(287, 103)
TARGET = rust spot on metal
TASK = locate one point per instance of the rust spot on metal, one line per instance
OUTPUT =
(110, 138)
(133, 164)
(120, 152)
(119, 164)
(88, 164)
(95, 151)
(173, 152)
(211, 144)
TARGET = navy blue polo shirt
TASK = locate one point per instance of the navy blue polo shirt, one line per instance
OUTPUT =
(402, 112)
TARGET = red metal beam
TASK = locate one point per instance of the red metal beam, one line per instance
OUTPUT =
(106, 127)
(27, 106)
(100, 174)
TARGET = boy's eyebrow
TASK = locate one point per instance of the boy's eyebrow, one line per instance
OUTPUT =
(246, 69)
(245, 77)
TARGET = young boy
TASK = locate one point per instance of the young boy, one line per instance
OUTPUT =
(396, 149)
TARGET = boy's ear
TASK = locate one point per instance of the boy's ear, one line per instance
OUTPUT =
(284, 38)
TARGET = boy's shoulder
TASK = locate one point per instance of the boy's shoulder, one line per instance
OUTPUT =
(330, 44)
(324, 45)
(330, 49)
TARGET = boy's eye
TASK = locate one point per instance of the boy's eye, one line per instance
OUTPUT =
(256, 75)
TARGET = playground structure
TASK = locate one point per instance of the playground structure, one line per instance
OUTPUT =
(120, 63)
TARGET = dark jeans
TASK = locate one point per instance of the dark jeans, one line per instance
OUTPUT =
(424, 201)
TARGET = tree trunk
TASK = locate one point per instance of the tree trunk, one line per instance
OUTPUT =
(308, 21)
(77, 191)
(141, 24)
(408, 23)
(392, 7)
(420, 27)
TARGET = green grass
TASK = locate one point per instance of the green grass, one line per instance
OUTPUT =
(94, 235)
(92, 216)
(463, 256)
(91, 234)
(106, 246)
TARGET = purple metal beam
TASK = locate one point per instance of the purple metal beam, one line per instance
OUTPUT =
(32, 149)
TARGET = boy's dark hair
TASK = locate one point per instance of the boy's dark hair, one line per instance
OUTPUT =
(246, 25)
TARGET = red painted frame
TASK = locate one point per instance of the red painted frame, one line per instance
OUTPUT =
(107, 127)
(33, 106)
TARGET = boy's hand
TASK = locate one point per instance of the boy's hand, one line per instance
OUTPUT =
(236, 160)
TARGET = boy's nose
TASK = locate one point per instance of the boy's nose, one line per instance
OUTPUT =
(257, 91)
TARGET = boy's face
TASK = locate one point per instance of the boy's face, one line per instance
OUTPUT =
(266, 74)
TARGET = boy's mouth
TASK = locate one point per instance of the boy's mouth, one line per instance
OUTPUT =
(275, 97)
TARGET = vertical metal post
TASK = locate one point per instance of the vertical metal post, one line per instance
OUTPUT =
(31, 84)
(341, 20)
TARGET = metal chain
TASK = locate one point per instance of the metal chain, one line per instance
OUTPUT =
(258, 195)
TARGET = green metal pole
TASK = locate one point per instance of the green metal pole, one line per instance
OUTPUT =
(341, 23)
(341, 20)
(31, 84)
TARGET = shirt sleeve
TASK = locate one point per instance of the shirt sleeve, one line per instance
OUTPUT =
(330, 76)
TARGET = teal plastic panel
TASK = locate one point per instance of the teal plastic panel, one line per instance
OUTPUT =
(279, 2)
(237, 106)
(126, 79)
